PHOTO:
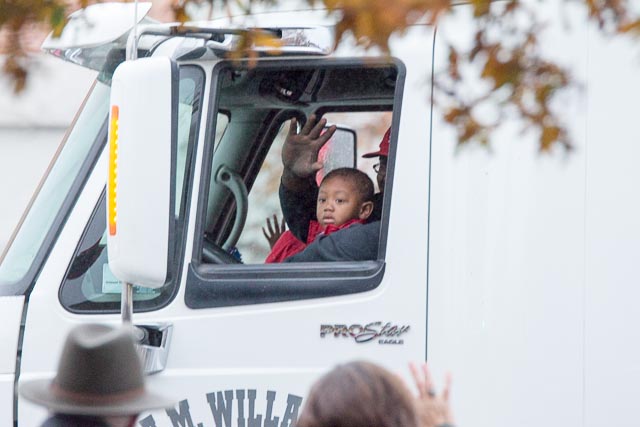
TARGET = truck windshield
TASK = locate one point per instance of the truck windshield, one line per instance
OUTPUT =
(36, 225)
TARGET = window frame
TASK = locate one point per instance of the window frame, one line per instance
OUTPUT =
(226, 285)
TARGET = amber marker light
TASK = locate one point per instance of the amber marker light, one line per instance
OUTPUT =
(113, 171)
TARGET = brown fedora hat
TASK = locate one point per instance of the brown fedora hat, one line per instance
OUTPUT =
(99, 373)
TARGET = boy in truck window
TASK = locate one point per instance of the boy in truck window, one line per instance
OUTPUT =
(344, 199)
(298, 192)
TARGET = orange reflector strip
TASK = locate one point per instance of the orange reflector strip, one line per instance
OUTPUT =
(113, 171)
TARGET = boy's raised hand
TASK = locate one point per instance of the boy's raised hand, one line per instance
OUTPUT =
(274, 231)
(300, 150)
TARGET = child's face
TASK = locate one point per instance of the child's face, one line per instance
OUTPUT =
(339, 202)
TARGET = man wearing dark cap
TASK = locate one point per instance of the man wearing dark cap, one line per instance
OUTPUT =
(381, 173)
(298, 194)
(99, 382)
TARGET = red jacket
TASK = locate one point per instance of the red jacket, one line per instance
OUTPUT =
(288, 245)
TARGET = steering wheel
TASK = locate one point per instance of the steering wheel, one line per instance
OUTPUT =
(227, 177)
(214, 254)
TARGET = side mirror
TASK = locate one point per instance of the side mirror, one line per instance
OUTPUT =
(338, 152)
(142, 161)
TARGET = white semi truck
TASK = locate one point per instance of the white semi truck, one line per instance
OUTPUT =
(514, 270)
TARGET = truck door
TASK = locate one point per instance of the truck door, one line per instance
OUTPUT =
(256, 335)
(237, 341)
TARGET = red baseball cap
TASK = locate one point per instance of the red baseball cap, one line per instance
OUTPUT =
(384, 147)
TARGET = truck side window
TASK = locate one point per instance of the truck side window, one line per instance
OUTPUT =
(89, 284)
(264, 202)
(243, 175)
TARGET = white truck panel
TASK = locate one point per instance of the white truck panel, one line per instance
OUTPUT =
(532, 286)
(11, 309)
(6, 396)
(612, 235)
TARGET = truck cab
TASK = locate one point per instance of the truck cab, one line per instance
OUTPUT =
(251, 336)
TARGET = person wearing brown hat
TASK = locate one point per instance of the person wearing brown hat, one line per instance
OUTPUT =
(298, 193)
(99, 382)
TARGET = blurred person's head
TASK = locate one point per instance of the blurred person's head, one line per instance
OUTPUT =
(344, 194)
(359, 394)
(382, 154)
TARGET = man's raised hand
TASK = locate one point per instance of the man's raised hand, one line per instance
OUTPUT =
(300, 150)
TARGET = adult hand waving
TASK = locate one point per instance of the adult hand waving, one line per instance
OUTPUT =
(300, 150)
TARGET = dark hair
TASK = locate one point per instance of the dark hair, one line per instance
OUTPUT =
(359, 179)
(359, 394)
